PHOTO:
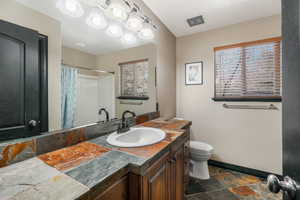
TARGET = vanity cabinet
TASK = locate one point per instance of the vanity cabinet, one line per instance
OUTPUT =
(163, 179)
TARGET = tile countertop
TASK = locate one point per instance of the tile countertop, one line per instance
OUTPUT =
(83, 167)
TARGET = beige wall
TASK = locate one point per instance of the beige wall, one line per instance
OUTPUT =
(110, 62)
(166, 65)
(75, 57)
(16, 13)
(249, 138)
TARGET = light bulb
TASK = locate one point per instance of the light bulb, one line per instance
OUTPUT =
(128, 39)
(134, 23)
(71, 8)
(96, 20)
(117, 11)
(115, 31)
(146, 33)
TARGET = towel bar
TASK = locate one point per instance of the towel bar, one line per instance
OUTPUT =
(259, 107)
(131, 103)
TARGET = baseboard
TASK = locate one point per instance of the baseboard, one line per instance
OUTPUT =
(246, 170)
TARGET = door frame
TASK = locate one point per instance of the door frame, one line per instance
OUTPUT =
(43, 65)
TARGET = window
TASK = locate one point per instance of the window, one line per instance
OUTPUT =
(134, 79)
(248, 71)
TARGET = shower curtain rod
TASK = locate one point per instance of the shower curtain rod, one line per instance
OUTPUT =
(85, 68)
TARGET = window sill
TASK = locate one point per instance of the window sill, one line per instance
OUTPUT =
(133, 98)
(249, 99)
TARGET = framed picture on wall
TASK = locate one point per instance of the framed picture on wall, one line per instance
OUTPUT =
(194, 73)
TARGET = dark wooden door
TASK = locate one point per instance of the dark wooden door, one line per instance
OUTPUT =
(19, 81)
(291, 103)
(291, 89)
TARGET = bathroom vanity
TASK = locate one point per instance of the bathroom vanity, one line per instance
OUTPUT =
(162, 177)
(93, 169)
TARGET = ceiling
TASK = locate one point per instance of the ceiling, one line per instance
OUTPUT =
(75, 30)
(216, 13)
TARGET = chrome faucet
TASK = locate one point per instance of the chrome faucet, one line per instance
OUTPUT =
(124, 126)
(106, 113)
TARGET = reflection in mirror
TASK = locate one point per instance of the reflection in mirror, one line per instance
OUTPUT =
(124, 80)
(84, 93)
(92, 57)
(135, 78)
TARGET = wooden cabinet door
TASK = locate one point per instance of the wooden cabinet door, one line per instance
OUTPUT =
(19, 81)
(156, 181)
(118, 191)
(177, 175)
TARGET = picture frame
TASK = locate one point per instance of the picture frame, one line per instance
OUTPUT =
(194, 73)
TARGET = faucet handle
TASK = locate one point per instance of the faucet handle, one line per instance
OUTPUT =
(119, 127)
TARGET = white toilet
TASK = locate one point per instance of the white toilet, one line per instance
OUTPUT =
(200, 153)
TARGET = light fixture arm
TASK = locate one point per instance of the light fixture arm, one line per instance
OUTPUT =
(133, 7)
(136, 9)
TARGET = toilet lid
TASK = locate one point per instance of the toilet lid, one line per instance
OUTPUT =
(200, 146)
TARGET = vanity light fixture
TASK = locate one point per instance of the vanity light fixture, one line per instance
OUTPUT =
(127, 14)
(129, 39)
(114, 30)
(71, 8)
(96, 19)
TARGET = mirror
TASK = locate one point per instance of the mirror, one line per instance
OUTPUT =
(105, 63)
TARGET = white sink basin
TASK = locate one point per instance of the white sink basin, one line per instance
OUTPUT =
(136, 137)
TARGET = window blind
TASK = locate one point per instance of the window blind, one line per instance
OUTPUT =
(249, 71)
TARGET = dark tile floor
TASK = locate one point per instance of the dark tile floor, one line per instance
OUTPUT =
(229, 185)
